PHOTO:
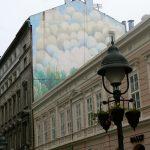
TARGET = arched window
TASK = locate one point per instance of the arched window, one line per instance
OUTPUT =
(139, 147)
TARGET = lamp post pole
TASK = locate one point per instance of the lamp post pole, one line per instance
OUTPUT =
(117, 96)
(120, 136)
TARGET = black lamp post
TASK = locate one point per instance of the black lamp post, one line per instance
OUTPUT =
(115, 67)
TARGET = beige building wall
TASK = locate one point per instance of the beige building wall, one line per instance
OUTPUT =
(79, 95)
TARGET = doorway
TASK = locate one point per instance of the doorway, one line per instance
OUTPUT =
(139, 147)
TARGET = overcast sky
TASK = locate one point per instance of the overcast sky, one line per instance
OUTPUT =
(13, 13)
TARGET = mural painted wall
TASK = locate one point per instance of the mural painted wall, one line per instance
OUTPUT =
(66, 37)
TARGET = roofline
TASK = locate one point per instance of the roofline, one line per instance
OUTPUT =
(25, 25)
(133, 32)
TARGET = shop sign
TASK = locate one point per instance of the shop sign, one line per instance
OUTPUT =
(137, 138)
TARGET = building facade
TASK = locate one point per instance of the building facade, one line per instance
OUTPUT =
(63, 117)
(16, 91)
(46, 55)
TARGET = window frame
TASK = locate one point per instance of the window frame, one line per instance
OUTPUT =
(78, 117)
(45, 131)
(69, 122)
(98, 100)
(53, 125)
(90, 106)
(62, 124)
(134, 89)
(38, 128)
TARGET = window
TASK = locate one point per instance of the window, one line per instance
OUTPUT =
(24, 47)
(45, 127)
(6, 85)
(134, 87)
(11, 140)
(98, 101)
(69, 121)
(4, 67)
(25, 61)
(11, 59)
(6, 113)
(53, 126)
(15, 75)
(89, 110)
(8, 63)
(10, 108)
(2, 71)
(18, 71)
(62, 123)
(78, 116)
(26, 96)
(14, 104)
(15, 54)
(38, 134)
(18, 101)
(2, 111)
(10, 80)
(25, 92)
(2, 89)
(19, 137)
(15, 139)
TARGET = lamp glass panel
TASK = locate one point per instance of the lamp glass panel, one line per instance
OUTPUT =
(115, 75)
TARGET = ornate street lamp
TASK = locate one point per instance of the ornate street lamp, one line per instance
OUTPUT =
(114, 67)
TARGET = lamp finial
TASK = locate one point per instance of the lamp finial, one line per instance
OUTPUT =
(112, 41)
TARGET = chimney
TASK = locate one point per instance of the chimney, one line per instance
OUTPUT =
(124, 23)
(130, 24)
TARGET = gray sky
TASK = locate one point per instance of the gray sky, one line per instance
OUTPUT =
(13, 13)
